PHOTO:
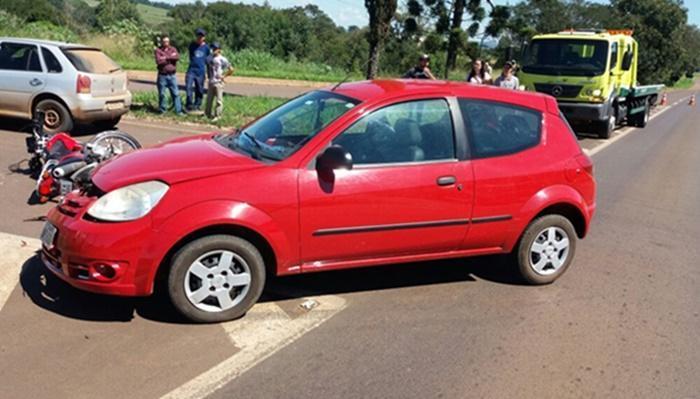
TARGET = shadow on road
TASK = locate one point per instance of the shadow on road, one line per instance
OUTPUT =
(23, 126)
(50, 293)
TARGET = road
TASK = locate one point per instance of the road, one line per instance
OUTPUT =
(622, 322)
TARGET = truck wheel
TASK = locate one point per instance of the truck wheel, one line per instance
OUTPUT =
(57, 117)
(606, 128)
(216, 278)
(641, 119)
(546, 249)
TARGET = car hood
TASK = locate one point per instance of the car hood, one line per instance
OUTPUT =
(172, 162)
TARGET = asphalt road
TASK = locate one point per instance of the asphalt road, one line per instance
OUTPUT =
(622, 322)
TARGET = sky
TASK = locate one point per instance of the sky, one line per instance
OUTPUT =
(352, 12)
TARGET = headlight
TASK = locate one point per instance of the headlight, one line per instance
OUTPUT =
(128, 203)
(597, 93)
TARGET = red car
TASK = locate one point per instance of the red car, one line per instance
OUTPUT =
(362, 174)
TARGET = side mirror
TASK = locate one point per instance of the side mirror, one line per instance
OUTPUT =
(334, 157)
(627, 61)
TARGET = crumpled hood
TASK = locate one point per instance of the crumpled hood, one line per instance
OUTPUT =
(171, 162)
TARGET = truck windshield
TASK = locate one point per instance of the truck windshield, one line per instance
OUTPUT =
(571, 57)
(284, 130)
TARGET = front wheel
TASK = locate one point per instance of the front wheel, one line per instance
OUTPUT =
(605, 128)
(216, 278)
(112, 143)
(546, 249)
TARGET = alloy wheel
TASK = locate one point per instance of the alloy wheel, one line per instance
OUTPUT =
(549, 251)
(217, 281)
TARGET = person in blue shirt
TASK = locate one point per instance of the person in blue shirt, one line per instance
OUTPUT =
(196, 72)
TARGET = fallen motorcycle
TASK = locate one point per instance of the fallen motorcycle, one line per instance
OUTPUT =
(62, 164)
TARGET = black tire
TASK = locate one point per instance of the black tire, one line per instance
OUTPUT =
(641, 119)
(191, 252)
(58, 118)
(526, 257)
(605, 128)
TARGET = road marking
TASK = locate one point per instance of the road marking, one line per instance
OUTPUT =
(624, 132)
(15, 251)
(260, 334)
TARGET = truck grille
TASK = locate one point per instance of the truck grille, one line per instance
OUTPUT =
(559, 90)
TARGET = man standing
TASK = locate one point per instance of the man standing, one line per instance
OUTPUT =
(166, 60)
(420, 71)
(218, 68)
(194, 79)
(507, 80)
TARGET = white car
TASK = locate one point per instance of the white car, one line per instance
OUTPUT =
(69, 82)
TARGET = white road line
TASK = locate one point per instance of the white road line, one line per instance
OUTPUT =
(15, 251)
(261, 333)
(624, 132)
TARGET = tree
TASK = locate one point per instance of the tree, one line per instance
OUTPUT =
(109, 12)
(381, 13)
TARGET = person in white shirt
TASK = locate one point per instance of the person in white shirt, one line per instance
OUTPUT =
(478, 74)
(507, 80)
(218, 68)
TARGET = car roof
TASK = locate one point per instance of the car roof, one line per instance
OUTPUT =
(377, 90)
(43, 42)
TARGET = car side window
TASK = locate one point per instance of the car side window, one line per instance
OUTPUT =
(497, 129)
(413, 131)
(19, 57)
(52, 63)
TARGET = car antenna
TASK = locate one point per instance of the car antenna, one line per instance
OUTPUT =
(345, 79)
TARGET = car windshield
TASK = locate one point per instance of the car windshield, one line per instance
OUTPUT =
(281, 132)
(570, 57)
(91, 61)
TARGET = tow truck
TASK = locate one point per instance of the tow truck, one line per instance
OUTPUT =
(593, 76)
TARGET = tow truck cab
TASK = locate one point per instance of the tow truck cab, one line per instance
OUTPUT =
(592, 74)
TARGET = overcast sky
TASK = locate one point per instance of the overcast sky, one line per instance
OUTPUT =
(352, 12)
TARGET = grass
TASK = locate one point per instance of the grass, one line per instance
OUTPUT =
(686, 82)
(237, 110)
(153, 16)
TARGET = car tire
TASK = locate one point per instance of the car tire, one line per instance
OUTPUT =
(546, 249)
(207, 278)
(640, 120)
(58, 118)
(605, 128)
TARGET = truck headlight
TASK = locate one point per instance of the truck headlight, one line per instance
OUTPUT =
(128, 203)
(596, 93)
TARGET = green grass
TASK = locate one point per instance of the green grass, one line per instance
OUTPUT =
(153, 16)
(237, 110)
(686, 82)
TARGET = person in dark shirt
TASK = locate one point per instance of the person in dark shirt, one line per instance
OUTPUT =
(196, 72)
(166, 60)
(420, 71)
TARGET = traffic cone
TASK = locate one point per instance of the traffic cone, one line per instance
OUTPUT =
(692, 100)
(664, 100)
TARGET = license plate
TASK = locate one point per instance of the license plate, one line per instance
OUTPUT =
(48, 235)
(115, 106)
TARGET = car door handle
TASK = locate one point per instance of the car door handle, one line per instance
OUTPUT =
(446, 180)
(35, 82)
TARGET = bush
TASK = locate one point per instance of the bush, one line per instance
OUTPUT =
(13, 26)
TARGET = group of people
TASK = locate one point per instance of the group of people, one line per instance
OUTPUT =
(479, 74)
(206, 63)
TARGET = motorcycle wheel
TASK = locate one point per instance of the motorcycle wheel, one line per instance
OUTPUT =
(112, 143)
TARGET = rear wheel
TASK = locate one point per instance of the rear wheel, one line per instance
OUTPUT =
(112, 143)
(546, 249)
(57, 118)
(641, 119)
(605, 128)
(216, 278)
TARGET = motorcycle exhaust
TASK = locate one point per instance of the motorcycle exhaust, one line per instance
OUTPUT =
(67, 170)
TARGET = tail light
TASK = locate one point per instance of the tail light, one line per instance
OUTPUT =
(83, 85)
(584, 161)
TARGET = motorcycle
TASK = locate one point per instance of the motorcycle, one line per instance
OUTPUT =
(62, 164)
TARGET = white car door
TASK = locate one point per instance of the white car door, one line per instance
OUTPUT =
(21, 77)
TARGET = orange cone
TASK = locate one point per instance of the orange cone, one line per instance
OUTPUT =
(664, 100)
(692, 100)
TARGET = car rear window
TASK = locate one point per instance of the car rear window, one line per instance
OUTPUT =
(497, 129)
(91, 61)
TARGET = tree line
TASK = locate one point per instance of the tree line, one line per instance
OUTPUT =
(453, 32)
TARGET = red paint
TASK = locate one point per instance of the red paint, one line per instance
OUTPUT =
(286, 205)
